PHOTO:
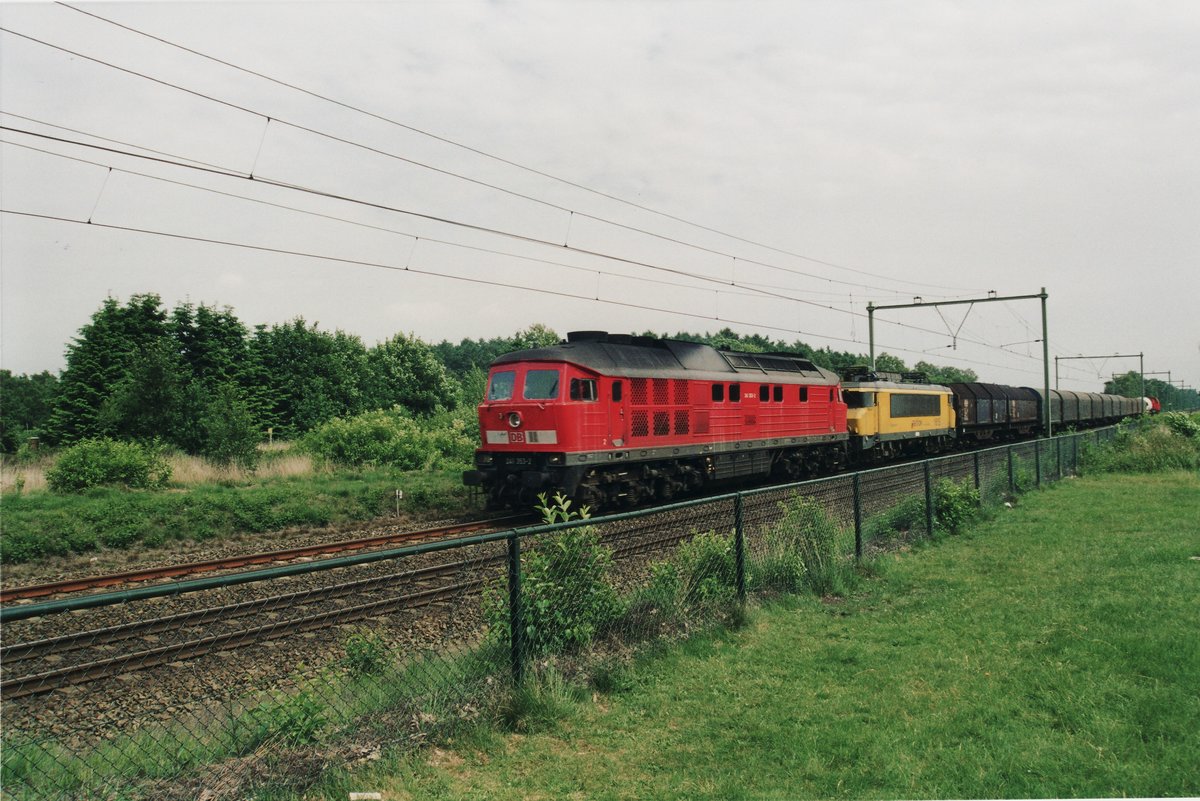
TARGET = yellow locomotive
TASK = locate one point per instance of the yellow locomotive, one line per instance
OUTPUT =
(892, 414)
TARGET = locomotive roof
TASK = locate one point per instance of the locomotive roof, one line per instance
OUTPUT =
(648, 357)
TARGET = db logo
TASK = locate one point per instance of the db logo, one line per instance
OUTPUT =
(516, 437)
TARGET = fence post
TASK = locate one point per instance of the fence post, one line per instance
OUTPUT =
(739, 548)
(1037, 463)
(858, 542)
(1012, 484)
(516, 632)
(1058, 456)
(928, 501)
(976, 460)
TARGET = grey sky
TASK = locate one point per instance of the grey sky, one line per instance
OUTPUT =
(920, 148)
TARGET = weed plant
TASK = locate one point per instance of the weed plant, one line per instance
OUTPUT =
(1170, 441)
(803, 551)
(567, 593)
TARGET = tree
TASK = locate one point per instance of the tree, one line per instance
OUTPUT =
(150, 401)
(405, 372)
(229, 429)
(946, 375)
(98, 360)
(307, 376)
(886, 362)
(25, 404)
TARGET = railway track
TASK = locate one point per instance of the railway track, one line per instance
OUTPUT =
(233, 562)
(412, 589)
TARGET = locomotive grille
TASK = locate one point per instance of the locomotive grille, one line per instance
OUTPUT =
(660, 392)
(640, 425)
(638, 394)
(681, 391)
(662, 424)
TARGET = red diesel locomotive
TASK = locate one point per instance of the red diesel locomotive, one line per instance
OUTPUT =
(616, 420)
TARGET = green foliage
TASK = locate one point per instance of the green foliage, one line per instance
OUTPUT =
(405, 372)
(698, 581)
(945, 375)
(295, 721)
(229, 433)
(802, 551)
(107, 462)
(99, 360)
(307, 376)
(1169, 441)
(1185, 425)
(955, 505)
(25, 404)
(391, 438)
(567, 595)
(367, 654)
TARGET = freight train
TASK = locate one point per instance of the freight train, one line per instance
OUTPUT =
(614, 420)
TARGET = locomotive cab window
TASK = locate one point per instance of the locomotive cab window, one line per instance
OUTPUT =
(764, 393)
(804, 394)
(718, 393)
(735, 393)
(617, 391)
(778, 394)
(501, 388)
(860, 400)
(583, 389)
(541, 385)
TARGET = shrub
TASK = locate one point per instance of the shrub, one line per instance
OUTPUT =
(107, 462)
(1149, 447)
(567, 596)
(955, 504)
(1182, 424)
(802, 550)
(366, 653)
(392, 438)
(699, 580)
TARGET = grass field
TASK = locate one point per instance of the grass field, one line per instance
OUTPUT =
(1051, 652)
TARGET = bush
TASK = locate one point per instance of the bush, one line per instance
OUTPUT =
(366, 653)
(392, 438)
(1181, 423)
(699, 580)
(955, 505)
(802, 550)
(107, 462)
(567, 596)
(1161, 443)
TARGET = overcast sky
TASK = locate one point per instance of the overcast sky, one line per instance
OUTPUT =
(666, 166)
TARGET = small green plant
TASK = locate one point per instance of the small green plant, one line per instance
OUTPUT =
(802, 551)
(367, 653)
(955, 505)
(567, 595)
(108, 462)
(295, 721)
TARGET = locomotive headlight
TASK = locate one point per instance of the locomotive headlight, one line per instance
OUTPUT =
(514, 419)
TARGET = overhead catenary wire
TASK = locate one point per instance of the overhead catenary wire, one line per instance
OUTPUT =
(261, 180)
(480, 152)
(449, 173)
(755, 324)
(283, 184)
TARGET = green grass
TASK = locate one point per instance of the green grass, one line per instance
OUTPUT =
(41, 525)
(1053, 651)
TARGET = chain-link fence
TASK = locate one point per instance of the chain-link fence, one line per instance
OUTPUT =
(208, 687)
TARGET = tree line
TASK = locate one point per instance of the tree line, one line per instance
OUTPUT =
(195, 377)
